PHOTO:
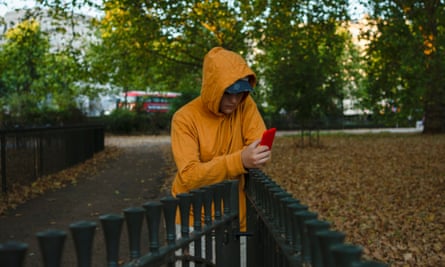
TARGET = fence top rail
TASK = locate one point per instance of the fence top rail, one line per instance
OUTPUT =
(46, 128)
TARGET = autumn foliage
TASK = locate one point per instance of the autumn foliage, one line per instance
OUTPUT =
(385, 191)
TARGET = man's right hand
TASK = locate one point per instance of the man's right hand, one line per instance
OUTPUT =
(255, 156)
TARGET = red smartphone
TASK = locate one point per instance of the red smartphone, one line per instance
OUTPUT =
(268, 137)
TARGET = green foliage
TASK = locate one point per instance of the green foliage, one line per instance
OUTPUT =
(23, 56)
(189, 88)
(38, 87)
(406, 61)
(395, 71)
(302, 64)
(303, 56)
(159, 45)
(123, 121)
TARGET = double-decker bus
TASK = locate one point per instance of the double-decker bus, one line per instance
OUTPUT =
(147, 101)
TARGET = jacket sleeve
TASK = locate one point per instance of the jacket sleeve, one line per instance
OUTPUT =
(192, 172)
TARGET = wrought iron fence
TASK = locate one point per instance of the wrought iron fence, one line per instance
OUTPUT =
(216, 234)
(27, 154)
(281, 232)
(286, 233)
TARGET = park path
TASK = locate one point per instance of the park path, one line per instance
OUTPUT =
(137, 175)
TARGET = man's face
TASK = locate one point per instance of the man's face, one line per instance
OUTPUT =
(229, 102)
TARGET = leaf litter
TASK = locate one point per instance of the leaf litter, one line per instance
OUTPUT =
(19, 194)
(386, 192)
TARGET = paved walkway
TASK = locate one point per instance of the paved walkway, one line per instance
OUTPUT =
(136, 176)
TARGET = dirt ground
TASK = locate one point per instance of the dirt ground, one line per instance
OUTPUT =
(137, 175)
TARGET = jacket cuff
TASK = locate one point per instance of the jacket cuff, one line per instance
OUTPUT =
(235, 164)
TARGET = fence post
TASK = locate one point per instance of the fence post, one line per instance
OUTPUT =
(274, 213)
(219, 232)
(134, 216)
(279, 206)
(83, 235)
(232, 242)
(313, 226)
(235, 227)
(112, 228)
(184, 212)
(255, 191)
(296, 237)
(153, 211)
(346, 254)
(51, 246)
(327, 239)
(302, 217)
(170, 205)
(286, 202)
(197, 202)
(280, 199)
(12, 253)
(226, 198)
(208, 197)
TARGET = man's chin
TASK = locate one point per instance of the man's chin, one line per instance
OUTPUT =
(228, 111)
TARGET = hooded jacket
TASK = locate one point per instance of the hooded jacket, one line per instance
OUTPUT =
(206, 143)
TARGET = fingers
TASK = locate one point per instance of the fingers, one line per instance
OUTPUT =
(254, 156)
(262, 157)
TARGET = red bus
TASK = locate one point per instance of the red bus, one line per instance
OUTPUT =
(147, 101)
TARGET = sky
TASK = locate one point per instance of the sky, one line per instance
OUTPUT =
(14, 4)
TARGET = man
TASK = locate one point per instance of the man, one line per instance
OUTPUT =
(215, 137)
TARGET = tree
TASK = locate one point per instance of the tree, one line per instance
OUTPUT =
(23, 56)
(158, 45)
(303, 58)
(407, 58)
(37, 84)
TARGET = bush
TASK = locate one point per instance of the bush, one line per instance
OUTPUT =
(122, 121)
(41, 117)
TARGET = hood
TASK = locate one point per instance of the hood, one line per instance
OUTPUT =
(221, 69)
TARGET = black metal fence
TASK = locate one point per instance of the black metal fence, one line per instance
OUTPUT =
(27, 154)
(286, 233)
(215, 238)
(281, 232)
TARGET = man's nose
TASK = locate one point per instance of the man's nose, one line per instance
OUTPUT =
(233, 98)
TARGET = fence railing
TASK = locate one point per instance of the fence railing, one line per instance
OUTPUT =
(281, 232)
(27, 154)
(215, 238)
(286, 233)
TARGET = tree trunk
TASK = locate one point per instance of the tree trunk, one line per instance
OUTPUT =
(434, 122)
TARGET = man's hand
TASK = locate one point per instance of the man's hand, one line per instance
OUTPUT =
(254, 156)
